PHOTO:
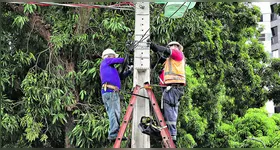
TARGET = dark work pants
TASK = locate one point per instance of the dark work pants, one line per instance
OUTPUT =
(171, 99)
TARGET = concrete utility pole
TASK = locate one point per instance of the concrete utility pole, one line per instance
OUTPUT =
(141, 73)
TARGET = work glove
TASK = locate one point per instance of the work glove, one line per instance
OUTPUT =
(157, 48)
(148, 42)
(130, 61)
(151, 44)
(130, 68)
(153, 47)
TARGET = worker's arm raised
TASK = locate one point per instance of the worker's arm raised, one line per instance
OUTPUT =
(161, 49)
(111, 61)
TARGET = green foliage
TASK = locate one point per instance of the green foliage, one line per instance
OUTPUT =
(226, 136)
(10, 123)
(20, 21)
(32, 128)
(29, 8)
(89, 132)
(256, 127)
(276, 118)
(257, 124)
(51, 85)
(271, 74)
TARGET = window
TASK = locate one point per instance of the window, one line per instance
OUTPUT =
(273, 12)
(274, 31)
(277, 109)
(262, 37)
(261, 20)
(273, 17)
(274, 38)
(272, 7)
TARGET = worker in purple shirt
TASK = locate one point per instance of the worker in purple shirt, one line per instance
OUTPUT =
(111, 84)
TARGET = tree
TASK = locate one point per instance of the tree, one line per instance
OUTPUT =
(50, 63)
(221, 46)
(272, 79)
(254, 130)
(55, 88)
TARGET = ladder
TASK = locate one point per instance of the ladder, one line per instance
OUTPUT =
(165, 134)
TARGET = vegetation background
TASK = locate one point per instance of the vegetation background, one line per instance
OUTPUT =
(50, 85)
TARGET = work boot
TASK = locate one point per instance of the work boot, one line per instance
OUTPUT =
(175, 142)
(114, 139)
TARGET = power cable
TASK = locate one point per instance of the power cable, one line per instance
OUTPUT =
(115, 6)
(135, 45)
(142, 38)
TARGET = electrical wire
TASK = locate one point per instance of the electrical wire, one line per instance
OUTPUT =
(153, 69)
(136, 44)
(119, 6)
(142, 38)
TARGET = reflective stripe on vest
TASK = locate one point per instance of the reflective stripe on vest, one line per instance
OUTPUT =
(174, 71)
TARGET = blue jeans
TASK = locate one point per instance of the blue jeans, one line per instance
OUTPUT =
(111, 102)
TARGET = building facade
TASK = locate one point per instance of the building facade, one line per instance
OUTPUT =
(269, 36)
(275, 30)
(275, 39)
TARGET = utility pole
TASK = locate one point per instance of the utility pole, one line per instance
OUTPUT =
(1, 87)
(141, 73)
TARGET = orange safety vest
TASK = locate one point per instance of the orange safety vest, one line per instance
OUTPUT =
(174, 71)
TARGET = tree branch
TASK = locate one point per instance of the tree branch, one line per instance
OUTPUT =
(35, 19)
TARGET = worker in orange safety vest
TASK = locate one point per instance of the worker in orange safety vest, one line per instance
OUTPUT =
(172, 80)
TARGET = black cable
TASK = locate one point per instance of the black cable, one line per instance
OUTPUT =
(152, 69)
(154, 18)
(142, 38)
(134, 44)
(138, 95)
(168, 18)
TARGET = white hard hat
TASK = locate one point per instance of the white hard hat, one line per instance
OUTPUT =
(176, 43)
(107, 52)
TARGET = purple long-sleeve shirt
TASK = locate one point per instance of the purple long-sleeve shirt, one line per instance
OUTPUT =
(109, 74)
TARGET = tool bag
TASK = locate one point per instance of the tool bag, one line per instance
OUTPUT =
(150, 127)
